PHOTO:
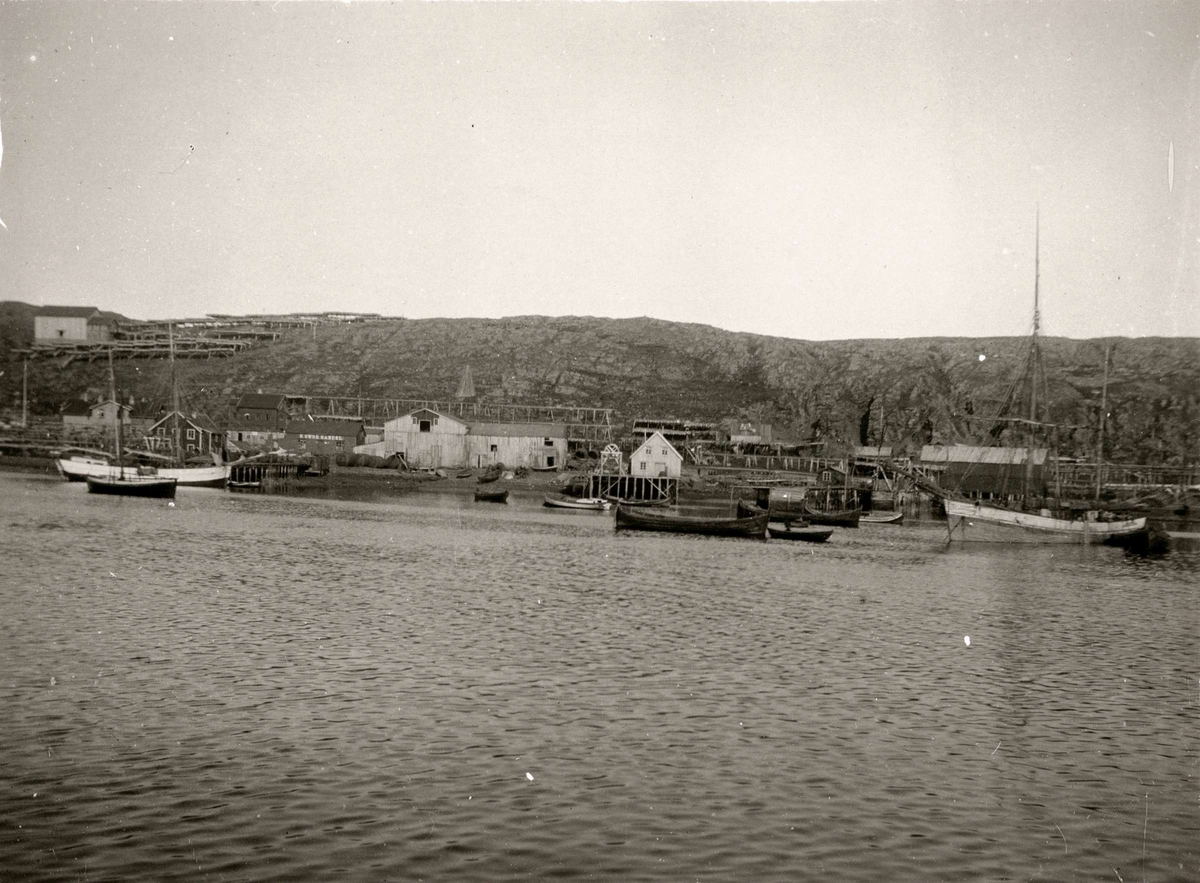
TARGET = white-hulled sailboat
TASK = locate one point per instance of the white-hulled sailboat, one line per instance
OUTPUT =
(125, 481)
(972, 521)
(213, 475)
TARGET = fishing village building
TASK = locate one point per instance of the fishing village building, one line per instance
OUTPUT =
(197, 435)
(91, 418)
(986, 472)
(260, 421)
(656, 458)
(73, 325)
(324, 435)
(428, 439)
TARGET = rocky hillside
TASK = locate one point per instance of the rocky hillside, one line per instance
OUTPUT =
(899, 392)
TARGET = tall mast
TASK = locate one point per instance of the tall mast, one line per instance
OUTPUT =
(112, 388)
(1034, 357)
(176, 451)
(25, 396)
(1103, 417)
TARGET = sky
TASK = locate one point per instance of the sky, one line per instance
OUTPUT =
(808, 170)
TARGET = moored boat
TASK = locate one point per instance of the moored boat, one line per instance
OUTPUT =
(136, 486)
(972, 522)
(144, 482)
(561, 501)
(641, 518)
(832, 517)
(779, 530)
(881, 518)
(80, 468)
(484, 495)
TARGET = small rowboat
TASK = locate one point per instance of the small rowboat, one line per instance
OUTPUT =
(560, 501)
(139, 486)
(779, 530)
(882, 518)
(491, 496)
(752, 527)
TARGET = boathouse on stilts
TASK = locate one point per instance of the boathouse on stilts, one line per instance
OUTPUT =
(652, 476)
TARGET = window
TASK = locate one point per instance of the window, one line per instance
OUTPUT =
(191, 435)
(642, 466)
(664, 452)
(494, 448)
(191, 449)
(548, 442)
(426, 426)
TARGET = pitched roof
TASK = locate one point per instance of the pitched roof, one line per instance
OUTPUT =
(884, 451)
(77, 408)
(196, 422)
(326, 426)
(68, 312)
(977, 454)
(656, 438)
(519, 430)
(430, 411)
(268, 400)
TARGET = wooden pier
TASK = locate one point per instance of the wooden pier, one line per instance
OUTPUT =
(632, 487)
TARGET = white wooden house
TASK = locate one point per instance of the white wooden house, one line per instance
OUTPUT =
(72, 325)
(656, 458)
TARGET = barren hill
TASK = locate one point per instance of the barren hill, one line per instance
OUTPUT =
(901, 392)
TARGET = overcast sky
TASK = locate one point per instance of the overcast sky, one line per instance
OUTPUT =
(809, 170)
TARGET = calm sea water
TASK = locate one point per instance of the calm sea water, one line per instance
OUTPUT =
(250, 687)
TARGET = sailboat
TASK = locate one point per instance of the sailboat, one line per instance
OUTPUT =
(119, 480)
(214, 475)
(971, 521)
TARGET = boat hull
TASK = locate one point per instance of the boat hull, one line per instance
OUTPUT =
(752, 527)
(196, 476)
(882, 518)
(79, 468)
(781, 531)
(491, 496)
(978, 523)
(580, 503)
(143, 486)
(82, 468)
(838, 518)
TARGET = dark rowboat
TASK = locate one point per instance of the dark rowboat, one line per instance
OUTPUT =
(786, 528)
(641, 518)
(778, 530)
(141, 486)
(491, 496)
